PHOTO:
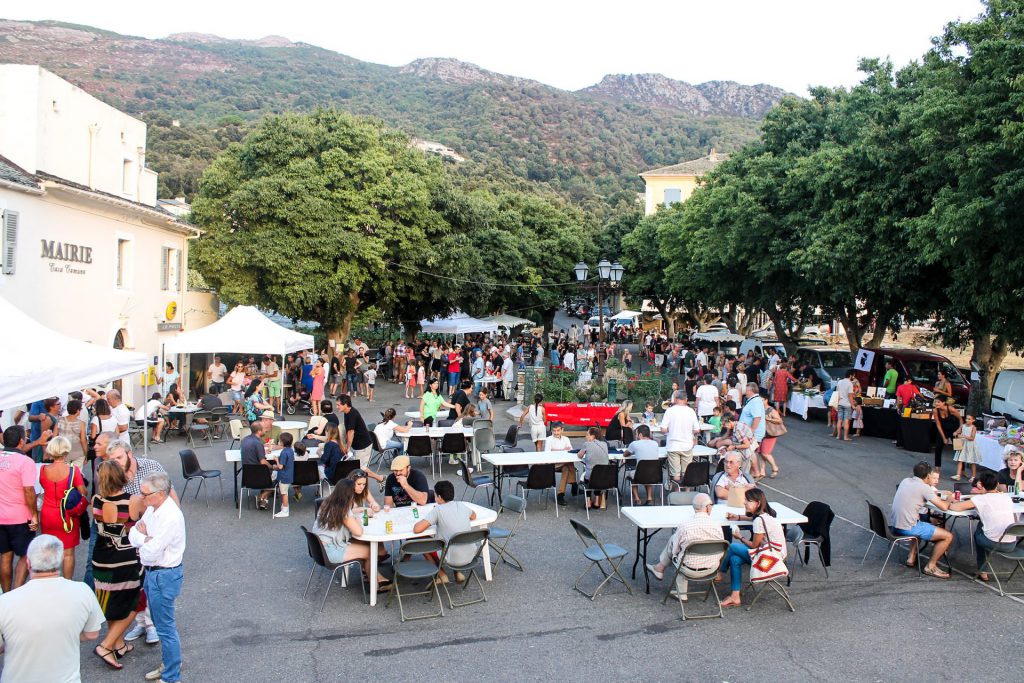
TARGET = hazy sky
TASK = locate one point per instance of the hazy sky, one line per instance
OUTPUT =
(566, 43)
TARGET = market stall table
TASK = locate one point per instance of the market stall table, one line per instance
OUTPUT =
(915, 434)
(880, 422)
(650, 520)
(585, 414)
(402, 523)
(800, 403)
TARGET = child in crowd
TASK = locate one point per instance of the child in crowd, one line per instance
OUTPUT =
(470, 412)
(370, 377)
(858, 414)
(285, 470)
(299, 449)
(648, 415)
(969, 453)
(420, 376)
(410, 381)
(716, 421)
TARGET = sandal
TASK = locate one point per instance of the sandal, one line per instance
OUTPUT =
(955, 477)
(774, 473)
(112, 664)
(935, 573)
(120, 652)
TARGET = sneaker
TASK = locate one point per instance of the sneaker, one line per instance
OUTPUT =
(657, 574)
(154, 675)
(151, 637)
(679, 596)
(282, 513)
(135, 632)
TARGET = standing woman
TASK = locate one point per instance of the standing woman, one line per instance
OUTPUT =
(943, 387)
(773, 423)
(780, 393)
(947, 422)
(54, 478)
(116, 569)
(73, 429)
(103, 420)
(335, 374)
(317, 394)
(236, 380)
(627, 359)
(432, 401)
(537, 418)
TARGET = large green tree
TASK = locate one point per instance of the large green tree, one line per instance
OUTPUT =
(316, 216)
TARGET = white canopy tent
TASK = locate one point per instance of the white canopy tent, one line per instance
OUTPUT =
(626, 315)
(507, 321)
(37, 362)
(458, 323)
(242, 330)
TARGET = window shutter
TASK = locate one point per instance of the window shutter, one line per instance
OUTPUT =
(177, 275)
(673, 195)
(163, 267)
(10, 240)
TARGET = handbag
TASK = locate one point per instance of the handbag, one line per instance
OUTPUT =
(775, 428)
(766, 560)
(72, 496)
(958, 444)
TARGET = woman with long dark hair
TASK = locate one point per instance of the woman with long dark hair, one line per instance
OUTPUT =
(739, 554)
(103, 419)
(338, 529)
(254, 403)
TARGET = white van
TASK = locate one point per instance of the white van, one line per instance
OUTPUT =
(766, 346)
(1008, 394)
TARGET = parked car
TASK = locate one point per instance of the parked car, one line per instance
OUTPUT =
(829, 363)
(1008, 394)
(922, 366)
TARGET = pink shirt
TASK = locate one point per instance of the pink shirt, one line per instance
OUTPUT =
(17, 472)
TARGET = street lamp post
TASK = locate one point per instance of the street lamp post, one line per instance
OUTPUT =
(606, 272)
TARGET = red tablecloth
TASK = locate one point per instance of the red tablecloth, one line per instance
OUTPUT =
(585, 414)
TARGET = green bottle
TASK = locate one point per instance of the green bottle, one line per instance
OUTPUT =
(415, 511)
(366, 517)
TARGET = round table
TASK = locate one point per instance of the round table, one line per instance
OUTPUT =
(293, 427)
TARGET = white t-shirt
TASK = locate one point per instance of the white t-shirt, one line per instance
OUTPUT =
(680, 423)
(644, 449)
(844, 389)
(370, 376)
(121, 414)
(385, 431)
(506, 370)
(996, 512)
(558, 443)
(151, 408)
(108, 424)
(702, 359)
(570, 360)
(218, 373)
(170, 378)
(734, 395)
(707, 399)
(40, 625)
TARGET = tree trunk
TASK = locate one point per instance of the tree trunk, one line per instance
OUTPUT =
(663, 310)
(346, 322)
(548, 316)
(988, 356)
(783, 331)
(851, 324)
(882, 321)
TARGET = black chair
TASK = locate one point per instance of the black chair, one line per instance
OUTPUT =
(813, 536)
(510, 439)
(696, 475)
(539, 478)
(627, 436)
(475, 538)
(342, 470)
(221, 415)
(256, 478)
(474, 482)
(191, 469)
(880, 529)
(413, 566)
(421, 447)
(381, 456)
(445, 423)
(307, 473)
(453, 444)
(603, 478)
(647, 473)
(319, 556)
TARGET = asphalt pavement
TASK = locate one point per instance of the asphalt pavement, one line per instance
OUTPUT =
(241, 614)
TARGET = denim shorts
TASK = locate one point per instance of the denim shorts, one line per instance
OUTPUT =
(922, 530)
(844, 413)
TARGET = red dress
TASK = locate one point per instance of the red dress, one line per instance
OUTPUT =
(782, 380)
(51, 518)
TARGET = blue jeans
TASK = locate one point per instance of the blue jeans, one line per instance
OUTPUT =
(162, 588)
(353, 383)
(453, 381)
(87, 579)
(983, 545)
(732, 564)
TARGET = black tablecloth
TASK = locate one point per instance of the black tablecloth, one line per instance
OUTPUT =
(881, 422)
(916, 435)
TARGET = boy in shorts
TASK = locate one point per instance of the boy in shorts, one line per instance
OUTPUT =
(285, 470)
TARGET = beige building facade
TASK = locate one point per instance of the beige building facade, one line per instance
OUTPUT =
(669, 185)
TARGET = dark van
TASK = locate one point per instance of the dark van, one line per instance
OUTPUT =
(922, 366)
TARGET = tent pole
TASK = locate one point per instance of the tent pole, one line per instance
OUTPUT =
(145, 417)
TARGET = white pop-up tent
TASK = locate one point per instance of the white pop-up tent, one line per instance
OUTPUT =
(507, 321)
(458, 323)
(37, 362)
(242, 330)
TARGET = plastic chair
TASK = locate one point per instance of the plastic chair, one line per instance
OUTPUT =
(475, 538)
(256, 478)
(539, 478)
(445, 423)
(238, 432)
(880, 529)
(315, 546)
(516, 504)
(1016, 555)
(307, 473)
(191, 469)
(203, 428)
(681, 497)
(696, 476)
(483, 440)
(414, 567)
(599, 553)
(511, 437)
(686, 570)
(603, 478)
(647, 473)
(474, 482)
(421, 447)
(808, 539)
(452, 444)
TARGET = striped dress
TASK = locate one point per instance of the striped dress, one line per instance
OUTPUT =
(116, 568)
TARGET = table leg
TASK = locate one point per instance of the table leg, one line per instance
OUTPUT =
(497, 474)
(373, 572)
(637, 553)
(234, 466)
(486, 555)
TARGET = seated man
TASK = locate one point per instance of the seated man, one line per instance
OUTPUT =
(643, 447)
(593, 452)
(405, 486)
(559, 442)
(911, 495)
(451, 517)
(254, 452)
(731, 477)
(697, 529)
(152, 413)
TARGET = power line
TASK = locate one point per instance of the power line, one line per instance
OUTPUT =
(489, 284)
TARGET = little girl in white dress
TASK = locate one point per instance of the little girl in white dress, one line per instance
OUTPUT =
(969, 453)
